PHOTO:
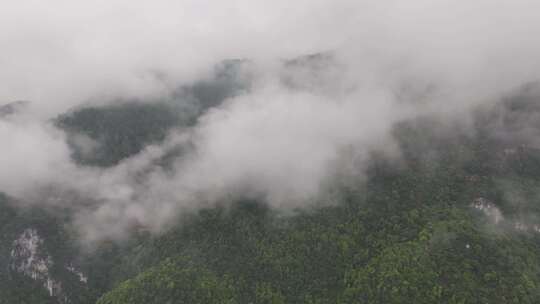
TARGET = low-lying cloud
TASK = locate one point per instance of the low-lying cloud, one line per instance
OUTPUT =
(302, 118)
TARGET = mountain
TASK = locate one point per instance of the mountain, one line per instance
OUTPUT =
(454, 220)
(12, 108)
(440, 228)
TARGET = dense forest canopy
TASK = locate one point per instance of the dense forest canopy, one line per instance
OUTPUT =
(454, 222)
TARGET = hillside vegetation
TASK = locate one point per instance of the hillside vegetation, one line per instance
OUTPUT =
(454, 220)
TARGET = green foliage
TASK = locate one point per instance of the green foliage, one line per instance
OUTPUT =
(23, 290)
(405, 234)
(173, 282)
(400, 273)
(118, 131)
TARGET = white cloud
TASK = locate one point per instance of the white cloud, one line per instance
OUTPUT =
(280, 140)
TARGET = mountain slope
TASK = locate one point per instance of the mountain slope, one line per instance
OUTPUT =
(454, 220)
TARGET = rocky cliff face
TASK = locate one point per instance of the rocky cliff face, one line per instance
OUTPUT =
(30, 258)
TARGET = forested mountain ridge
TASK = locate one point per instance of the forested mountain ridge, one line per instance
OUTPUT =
(442, 228)
(454, 220)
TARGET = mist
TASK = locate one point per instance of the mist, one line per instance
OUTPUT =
(302, 121)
